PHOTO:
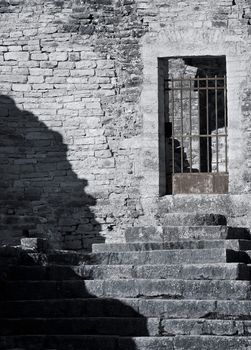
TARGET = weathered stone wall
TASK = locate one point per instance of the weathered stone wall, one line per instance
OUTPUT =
(79, 109)
(73, 74)
(201, 28)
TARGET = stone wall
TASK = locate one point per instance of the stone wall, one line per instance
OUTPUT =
(79, 117)
(70, 82)
(203, 28)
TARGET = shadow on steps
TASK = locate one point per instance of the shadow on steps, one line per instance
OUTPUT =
(77, 323)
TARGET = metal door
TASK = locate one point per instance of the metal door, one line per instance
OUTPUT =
(197, 140)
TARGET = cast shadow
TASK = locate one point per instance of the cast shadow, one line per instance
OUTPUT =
(40, 195)
(59, 309)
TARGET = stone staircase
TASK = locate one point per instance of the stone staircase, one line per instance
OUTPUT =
(184, 285)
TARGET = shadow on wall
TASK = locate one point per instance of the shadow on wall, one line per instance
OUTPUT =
(40, 195)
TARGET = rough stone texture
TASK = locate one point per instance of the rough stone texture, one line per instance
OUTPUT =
(79, 112)
(70, 82)
(129, 297)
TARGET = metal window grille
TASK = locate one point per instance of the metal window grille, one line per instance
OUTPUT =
(197, 113)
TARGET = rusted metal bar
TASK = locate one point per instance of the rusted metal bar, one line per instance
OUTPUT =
(197, 79)
(198, 82)
(190, 125)
(205, 135)
(216, 125)
(181, 124)
(202, 88)
(207, 121)
(173, 111)
(225, 122)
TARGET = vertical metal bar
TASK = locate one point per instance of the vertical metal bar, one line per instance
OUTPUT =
(207, 111)
(216, 125)
(173, 110)
(181, 115)
(190, 124)
(225, 121)
(198, 84)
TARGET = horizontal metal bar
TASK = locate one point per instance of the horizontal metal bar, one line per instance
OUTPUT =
(195, 88)
(203, 172)
(204, 135)
(195, 79)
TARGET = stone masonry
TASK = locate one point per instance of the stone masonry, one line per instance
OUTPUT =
(184, 285)
(80, 129)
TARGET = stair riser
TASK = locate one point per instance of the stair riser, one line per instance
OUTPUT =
(190, 219)
(197, 272)
(113, 343)
(158, 257)
(175, 289)
(125, 327)
(168, 309)
(141, 258)
(165, 234)
(212, 343)
(206, 244)
(90, 326)
(70, 308)
(26, 273)
(192, 272)
(205, 327)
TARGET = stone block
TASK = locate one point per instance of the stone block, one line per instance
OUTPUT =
(103, 154)
(34, 79)
(105, 73)
(40, 71)
(86, 64)
(13, 78)
(106, 163)
(34, 244)
(21, 87)
(82, 72)
(39, 56)
(16, 56)
(58, 56)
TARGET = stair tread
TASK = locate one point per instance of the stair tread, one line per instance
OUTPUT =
(167, 287)
(173, 256)
(181, 244)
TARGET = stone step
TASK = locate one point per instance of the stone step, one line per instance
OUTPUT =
(205, 342)
(8, 251)
(162, 234)
(61, 342)
(175, 256)
(14, 255)
(39, 272)
(128, 307)
(208, 342)
(235, 244)
(193, 327)
(137, 326)
(220, 271)
(171, 256)
(229, 271)
(193, 219)
(134, 288)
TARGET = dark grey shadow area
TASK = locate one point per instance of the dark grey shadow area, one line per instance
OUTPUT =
(49, 307)
(40, 195)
